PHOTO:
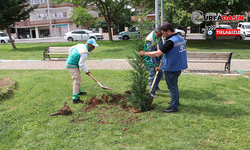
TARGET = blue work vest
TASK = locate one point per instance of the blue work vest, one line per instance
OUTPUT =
(176, 58)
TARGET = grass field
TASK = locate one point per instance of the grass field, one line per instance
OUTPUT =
(121, 49)
(214, 114)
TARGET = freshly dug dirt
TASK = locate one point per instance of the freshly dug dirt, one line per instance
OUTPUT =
(118, 100)
(105, 97)
(94, 101)
(115, 100)
(5, 82)
(65, 110)
(6, 86)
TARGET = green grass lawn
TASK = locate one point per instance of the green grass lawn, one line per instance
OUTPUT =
(214, 114)
(121, 49)
(34, 51)
(240, 49)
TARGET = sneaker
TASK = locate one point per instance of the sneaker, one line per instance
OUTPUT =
(158, 90)
(169, 102)
(153, 95)
(82, 93)
(77, 101)
(170, 110)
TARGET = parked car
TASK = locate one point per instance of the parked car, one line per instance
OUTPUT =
(225, 26)
(98, 36)
(94, 30)
(211, 34)
(4, 38)
(244, 28)
(86, 34)
(179, 32)
(126, 35)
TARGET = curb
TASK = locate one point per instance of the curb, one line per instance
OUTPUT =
(60, 59)
(2, 60)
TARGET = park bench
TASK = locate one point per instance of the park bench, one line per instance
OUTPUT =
(57, 52)
(211, 57)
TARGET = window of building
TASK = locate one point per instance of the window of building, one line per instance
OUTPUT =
(58, 15)
(42, 16)
(37, 1)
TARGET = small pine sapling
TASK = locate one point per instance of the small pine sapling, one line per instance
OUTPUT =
(139, 75)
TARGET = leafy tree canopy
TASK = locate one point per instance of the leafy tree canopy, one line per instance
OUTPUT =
(80, 15)
(13, 11)
(108, 8)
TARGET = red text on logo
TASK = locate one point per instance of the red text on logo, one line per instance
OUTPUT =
(234, 17)
(227, 32)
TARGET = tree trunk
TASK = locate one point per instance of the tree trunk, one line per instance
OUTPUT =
(81, 33)
(185, 34)
(11, 41)
(109, 29)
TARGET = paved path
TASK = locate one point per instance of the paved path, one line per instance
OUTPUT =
(237, 65)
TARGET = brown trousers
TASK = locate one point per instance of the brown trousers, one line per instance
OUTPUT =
(76, 76)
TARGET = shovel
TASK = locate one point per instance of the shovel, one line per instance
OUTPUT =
(157, 72)
(104, 87)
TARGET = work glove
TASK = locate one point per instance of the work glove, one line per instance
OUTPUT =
(88, 73)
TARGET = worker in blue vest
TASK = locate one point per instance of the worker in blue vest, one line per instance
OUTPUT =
(174, 60)
(77, 57)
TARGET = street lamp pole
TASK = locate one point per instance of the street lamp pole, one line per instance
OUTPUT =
(156, 13)
(162, 12)
(50, 27)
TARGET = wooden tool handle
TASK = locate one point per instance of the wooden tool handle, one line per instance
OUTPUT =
(93, 77)
(95, 80)
(157, 72)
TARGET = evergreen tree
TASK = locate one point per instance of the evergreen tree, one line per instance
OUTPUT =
(139, 75)
(13, 11)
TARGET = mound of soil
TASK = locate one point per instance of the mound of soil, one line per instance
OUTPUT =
(113, 100)
(6, 86)
(118, 100)
(65, 110)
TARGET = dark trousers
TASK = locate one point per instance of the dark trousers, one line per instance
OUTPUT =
(172, 83)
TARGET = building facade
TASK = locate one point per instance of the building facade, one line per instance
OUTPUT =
(38, 25)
